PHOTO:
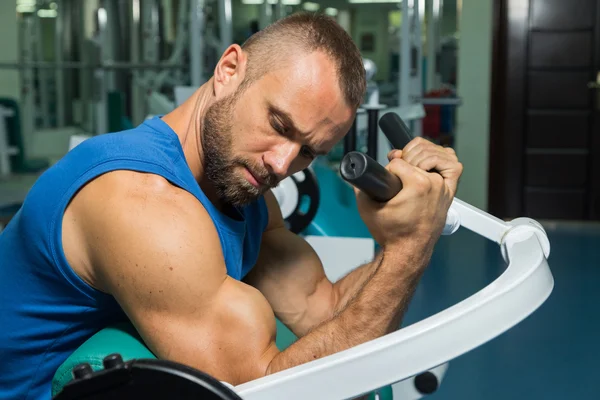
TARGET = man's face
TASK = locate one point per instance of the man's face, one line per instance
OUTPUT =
(274, 128)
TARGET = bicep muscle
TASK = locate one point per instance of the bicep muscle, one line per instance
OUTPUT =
(159, 255)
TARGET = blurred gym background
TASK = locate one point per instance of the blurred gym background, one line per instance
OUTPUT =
(512, 85)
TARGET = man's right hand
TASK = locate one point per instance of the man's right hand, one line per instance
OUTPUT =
(419, 210)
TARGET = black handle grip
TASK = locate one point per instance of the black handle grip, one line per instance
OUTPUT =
(369, 176)
(395, 130)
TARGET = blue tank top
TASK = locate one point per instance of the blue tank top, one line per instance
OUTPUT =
(46, 310)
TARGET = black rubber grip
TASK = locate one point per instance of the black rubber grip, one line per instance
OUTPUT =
(369, 176)
(395, 130)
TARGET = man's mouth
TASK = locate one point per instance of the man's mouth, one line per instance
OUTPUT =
(254, 179)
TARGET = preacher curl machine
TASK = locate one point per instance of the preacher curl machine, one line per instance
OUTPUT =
(415, 355)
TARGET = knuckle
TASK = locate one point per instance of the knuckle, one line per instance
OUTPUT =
(394, 165)
(429, 162)
(395, 162)
(423, 184)
(450, 150)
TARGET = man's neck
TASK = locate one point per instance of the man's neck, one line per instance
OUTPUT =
(186, 122)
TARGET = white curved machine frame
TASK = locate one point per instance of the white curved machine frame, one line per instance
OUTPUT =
(431, 343)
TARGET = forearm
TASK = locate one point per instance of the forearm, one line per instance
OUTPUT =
(373, 311)
(351, 284)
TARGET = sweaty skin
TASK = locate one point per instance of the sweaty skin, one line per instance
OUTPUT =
(155, 248)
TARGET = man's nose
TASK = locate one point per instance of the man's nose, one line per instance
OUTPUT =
(280, 159)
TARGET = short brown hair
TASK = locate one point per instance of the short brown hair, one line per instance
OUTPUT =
(308, 32)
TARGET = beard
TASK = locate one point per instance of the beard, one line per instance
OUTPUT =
(221, 166)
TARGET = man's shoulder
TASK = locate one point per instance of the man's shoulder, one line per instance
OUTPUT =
(144, 219)
(145, 193)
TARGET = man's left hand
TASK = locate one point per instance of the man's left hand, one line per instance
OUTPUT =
(431, 157)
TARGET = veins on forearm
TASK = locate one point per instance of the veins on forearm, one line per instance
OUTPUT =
(353, 283)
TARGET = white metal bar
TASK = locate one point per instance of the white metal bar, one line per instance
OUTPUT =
(518, 292)
(478, 221)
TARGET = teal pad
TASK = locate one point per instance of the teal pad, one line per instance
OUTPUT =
(121, 338)
(124, 339)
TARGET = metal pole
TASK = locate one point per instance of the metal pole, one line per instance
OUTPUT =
(417, 81)
(196, 42)
(265, 14)
(84, 77)
(279, 10)
(137, 95)
(350, 138)
(151, 35)
(101, 108)
(59, 74)
(432, 21)
(372, 132)
(225, 24)
(27, 85)
(42, 75)
(405, 55)
(108, 43)
(67, 53)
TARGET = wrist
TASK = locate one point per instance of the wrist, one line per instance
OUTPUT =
(404, 242)
(413, 248)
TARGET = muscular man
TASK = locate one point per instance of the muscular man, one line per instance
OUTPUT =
(172, 226)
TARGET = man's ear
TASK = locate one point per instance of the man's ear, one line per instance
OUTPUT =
(230, 71)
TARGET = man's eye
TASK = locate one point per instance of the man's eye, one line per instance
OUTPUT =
(306, 152)
(277, 126)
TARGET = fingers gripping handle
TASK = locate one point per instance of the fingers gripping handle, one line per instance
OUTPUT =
(377, 182)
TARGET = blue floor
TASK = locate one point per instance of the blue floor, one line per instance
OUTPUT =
(553, 354)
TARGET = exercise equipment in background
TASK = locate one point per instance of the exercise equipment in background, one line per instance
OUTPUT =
(12, 144)
(298, 198)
